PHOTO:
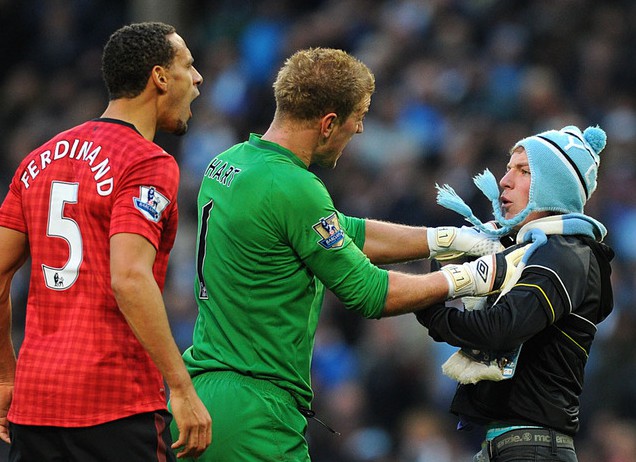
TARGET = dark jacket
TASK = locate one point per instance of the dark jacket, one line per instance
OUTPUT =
(552, 310)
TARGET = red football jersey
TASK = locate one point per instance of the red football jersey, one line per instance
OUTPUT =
(80, 363)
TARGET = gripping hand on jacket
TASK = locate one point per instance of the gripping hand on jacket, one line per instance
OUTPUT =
(486, 275)
(449, 242)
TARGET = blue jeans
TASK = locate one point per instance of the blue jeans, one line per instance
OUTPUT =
(519, 446)
(528, 454)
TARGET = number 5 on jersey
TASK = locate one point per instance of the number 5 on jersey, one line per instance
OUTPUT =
(61, 227)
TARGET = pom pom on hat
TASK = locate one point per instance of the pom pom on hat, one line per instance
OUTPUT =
(596, 138)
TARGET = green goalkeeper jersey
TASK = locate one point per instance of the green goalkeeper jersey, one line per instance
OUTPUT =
(269, 241)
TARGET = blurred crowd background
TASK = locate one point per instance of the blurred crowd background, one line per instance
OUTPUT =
(458, 83)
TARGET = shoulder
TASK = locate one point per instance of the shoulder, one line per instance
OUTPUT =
(562, 254)
(566, 260)
(284, 177)
(300, 190)
(304, 180)
(117, 135)
(561, 267)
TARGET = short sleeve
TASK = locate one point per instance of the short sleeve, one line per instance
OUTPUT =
(146, 198)
(11, 215)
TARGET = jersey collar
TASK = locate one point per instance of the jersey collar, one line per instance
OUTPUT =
(257, 141)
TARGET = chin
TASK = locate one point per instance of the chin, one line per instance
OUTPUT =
(327, 163)
(510, 214)
(181, 128)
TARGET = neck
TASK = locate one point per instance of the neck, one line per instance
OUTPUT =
(299, 138)
(137, 111)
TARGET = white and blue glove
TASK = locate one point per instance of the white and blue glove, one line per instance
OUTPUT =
(450, 242)
(483, 276)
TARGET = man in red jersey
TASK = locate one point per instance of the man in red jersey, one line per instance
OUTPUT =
(96, 210)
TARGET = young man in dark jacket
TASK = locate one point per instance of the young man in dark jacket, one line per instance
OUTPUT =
(523, 352)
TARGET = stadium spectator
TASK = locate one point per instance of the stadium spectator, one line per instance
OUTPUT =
(523, 352)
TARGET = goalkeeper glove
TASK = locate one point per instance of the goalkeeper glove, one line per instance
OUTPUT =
(449, 242)
(483, 276)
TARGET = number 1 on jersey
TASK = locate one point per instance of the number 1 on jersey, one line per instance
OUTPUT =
(203, 234)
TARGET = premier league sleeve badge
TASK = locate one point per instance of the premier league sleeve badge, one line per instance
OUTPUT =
(150, 203)
(330, 232)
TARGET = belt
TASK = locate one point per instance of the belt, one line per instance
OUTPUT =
(530, 437)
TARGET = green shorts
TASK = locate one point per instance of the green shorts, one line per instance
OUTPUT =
(252, 420)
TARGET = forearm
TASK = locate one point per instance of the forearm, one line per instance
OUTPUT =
(387, 243)
(140, 301)
(409, 292)
(512, 321)
(7, 352)
(13, 254)
(393, 243)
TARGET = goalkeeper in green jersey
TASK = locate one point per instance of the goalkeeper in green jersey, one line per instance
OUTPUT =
(270, 240)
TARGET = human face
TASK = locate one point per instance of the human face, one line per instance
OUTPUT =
(516, 187)
(182, 89)
(342, 134)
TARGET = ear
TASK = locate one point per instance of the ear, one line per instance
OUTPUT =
(159, 78)
(327, 124)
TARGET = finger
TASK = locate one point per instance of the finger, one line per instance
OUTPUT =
(4, 429)
(201, 436)
(205, 438)
(193, 447)
(183, 450)
(180, 442)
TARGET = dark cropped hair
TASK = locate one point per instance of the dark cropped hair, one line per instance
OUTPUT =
(316, 81)
(130, 54)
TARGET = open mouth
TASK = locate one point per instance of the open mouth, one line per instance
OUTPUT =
(505, 205)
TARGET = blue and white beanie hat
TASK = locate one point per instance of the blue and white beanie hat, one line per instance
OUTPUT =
(564, 167)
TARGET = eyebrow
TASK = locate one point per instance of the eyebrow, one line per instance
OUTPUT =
(518, 165)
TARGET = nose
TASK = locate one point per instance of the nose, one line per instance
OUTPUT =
(360, 127)
(198, 78)
(506, 180)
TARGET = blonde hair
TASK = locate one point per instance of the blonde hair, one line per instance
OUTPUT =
(316, 81)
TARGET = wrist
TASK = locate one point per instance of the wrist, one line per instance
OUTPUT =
(440, 240)
(460, 280)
